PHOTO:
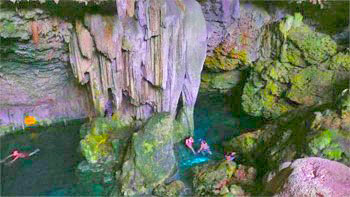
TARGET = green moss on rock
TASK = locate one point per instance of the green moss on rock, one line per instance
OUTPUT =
(97, 146)
(151, 157)
(315, 47)
(303, 71)
(172, 189)
(311, 86)
(223, 81)
(341, 61)
(326, 145)
(225, 60)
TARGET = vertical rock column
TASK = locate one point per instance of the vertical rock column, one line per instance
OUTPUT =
(143, 58)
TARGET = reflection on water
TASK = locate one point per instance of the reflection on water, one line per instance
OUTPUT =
(52, 168)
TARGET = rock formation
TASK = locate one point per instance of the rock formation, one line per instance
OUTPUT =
(299, 67)
(35, 76)
(144, 58)
(312, 176)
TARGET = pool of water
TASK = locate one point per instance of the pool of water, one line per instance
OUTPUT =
(51, 169)
(52, 172)
(214, 123)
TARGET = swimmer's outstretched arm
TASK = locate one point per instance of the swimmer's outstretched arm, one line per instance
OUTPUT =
(32, 153)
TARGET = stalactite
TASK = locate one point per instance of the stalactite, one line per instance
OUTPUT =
(140, 55)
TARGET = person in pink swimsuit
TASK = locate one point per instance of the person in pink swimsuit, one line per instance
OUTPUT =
(17, 154)
(204, 147)
(189, 143)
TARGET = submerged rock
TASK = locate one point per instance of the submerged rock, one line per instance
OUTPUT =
(313, 177)
(94, 179)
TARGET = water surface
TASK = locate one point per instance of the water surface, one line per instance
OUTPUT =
(50, 169)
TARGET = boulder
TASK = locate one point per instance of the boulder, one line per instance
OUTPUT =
(222, 178)
(105, 139)
(150, 158)
(313, 176)
(303, 69)
(172, 189)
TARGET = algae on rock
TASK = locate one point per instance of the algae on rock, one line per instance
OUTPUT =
(150, 155)
(303, 69)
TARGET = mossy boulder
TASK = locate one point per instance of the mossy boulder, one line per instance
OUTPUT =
(98, 143)
(304, 69)
(327, 144)
(223, 81)
(244, 144)
(343, 103)
(150, 157)
(172, 189)
(341, 61)
(153, 148)
(321, 131)
(210, 179)
(224, 178)
(224, 59)
(311, 86)
(315, 47)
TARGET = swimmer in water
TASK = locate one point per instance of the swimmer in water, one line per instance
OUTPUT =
(189, 143)
(204, 147)
(16, 155)
(231, 156)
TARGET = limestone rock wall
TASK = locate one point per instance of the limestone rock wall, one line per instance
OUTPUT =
(35, 76)
(143, 58)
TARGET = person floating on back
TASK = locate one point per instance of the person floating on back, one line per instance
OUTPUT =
(204, 147)
(189, 143)
(17, 154)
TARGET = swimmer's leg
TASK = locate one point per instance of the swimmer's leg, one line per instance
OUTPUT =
(32, 153)
(194, 152)
(5, 159)
(12, 161)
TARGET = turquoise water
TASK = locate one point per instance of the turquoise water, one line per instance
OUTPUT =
(51, 169)
(214, 123)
